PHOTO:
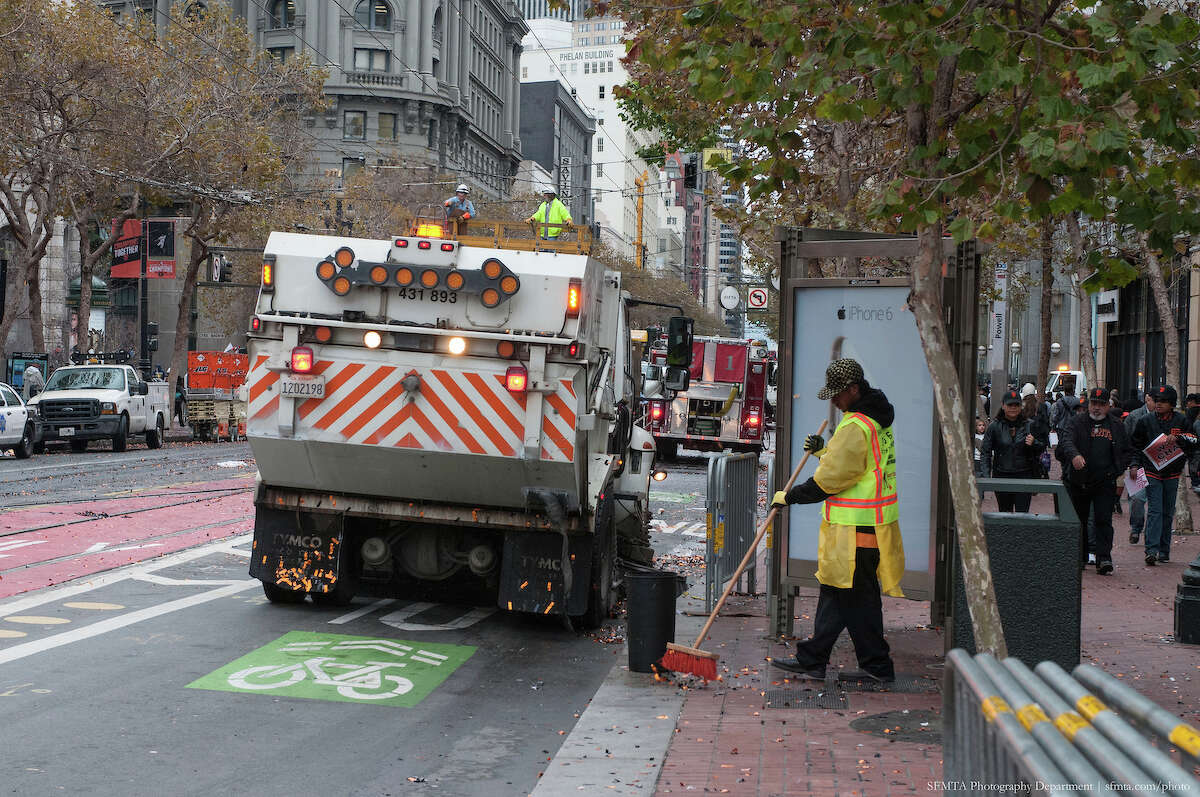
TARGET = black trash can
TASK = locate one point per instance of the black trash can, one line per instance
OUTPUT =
(650, 621)
(1036, 576)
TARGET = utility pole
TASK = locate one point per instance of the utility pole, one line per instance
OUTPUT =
(639, 256)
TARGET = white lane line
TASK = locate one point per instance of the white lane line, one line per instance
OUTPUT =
(695, 530)
(113, 623)
(167, 581)
(357, 613)
(89, 583)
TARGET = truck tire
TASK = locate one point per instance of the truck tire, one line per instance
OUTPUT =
(155, 437)
(121, 438)
(79, 446)
(601, 593)
(39, 447)
(278, 594)
(24, 449)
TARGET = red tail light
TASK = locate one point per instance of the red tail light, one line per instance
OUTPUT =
(255, 324)
(302, 359)
(574, 298)
(752, 420)
(516, 379)
(656, 412)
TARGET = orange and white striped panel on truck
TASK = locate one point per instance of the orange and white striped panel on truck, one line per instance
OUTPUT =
(457, 411)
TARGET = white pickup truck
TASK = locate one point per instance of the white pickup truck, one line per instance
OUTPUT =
(99, 402)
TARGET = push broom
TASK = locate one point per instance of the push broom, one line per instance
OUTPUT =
(694, 661)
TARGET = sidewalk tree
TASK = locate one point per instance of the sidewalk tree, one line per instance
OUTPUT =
(964, 95)
(240, 112)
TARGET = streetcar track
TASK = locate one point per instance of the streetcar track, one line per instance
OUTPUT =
(140, 541)
(120, 497)
(93, 519)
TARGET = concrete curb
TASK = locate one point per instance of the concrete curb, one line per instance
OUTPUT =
(621, 740)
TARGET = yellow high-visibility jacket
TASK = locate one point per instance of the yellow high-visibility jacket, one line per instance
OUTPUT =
(844, 463)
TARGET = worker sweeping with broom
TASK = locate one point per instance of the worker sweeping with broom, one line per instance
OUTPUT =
(859, 551)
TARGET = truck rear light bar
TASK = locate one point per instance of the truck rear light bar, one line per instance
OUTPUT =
(302, 360)
(268, 274)
(494, 282)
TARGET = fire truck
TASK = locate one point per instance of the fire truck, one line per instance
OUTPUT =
(724, 406)
(446, 416)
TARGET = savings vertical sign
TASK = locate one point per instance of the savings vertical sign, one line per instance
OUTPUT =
(156, 237)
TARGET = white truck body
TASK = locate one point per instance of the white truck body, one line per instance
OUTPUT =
(100, 402)
(418, 459)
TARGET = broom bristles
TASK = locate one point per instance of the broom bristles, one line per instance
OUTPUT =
(693, 661)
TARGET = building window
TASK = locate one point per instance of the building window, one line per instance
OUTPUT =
(574, 67)
(599, 169)
(584, 28)
(583, 41)
(599, 145)
(354, 125)
(387, 127)
(282, 54)
(600, 121)
(283, 14)
(373, 15)
(370, 60)
(587, 67)
(601, 92)
(610, 63)
(524, 73)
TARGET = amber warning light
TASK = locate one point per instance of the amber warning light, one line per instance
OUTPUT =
(574, 298)
(516, 379)
(268, 276)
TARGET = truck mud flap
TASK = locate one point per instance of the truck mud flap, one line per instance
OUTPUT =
(533, 578)
(296, 551)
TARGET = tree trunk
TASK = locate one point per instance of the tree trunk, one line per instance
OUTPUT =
(183, 319)
(83, 326)
(1170, 330)
(1043, 365)
(14, 302)
(955, 424)
(33, 281)
(1087, 355)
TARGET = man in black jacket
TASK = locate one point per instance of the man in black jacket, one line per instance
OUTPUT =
(1095, 452)
(1163, 482)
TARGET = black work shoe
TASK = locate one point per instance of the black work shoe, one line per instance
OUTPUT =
(1133, 539)
(1163, 558)
(1151, 559)
(791, 665)
(1105, 567)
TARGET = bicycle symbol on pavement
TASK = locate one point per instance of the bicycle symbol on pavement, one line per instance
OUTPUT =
(338, 667)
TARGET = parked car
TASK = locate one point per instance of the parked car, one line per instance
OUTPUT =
(16, 429)
(100, 402)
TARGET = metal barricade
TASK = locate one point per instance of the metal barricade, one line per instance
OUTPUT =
(730, 510)
(1011, 728)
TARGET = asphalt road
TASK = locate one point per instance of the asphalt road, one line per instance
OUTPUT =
(137, 657)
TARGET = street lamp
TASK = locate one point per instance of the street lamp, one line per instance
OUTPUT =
(1015, 348)
(1055, 348)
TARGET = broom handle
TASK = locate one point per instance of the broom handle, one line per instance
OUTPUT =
(762, 531)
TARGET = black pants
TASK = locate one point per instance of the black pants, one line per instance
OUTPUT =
(1013, 502)
(1097, 502)
(859, 610)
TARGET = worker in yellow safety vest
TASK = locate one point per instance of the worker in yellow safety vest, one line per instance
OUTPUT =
(551, 216)
(859, 550)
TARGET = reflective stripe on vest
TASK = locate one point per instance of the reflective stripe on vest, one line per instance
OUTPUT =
(872, 500)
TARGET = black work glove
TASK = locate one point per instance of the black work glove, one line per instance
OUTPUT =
(814, 443)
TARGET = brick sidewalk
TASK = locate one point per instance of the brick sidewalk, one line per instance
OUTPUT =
(745, 735)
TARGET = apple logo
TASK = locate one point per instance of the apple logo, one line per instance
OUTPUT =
(842, 313)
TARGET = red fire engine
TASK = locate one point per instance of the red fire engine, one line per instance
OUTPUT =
(723, 407)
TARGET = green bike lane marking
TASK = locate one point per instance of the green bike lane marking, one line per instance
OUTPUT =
(337, 667)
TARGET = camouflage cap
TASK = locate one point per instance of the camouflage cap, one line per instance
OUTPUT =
(840, 375)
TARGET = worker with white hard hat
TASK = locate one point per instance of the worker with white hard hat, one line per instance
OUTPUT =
(459, 207)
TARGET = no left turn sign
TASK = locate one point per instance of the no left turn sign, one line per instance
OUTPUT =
(756, 299)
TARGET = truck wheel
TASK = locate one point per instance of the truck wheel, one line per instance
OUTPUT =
(278, 594)
(24, 449)
(121, 438)
(601, 593)
(155, 437)
(79, 446)
(39, 448)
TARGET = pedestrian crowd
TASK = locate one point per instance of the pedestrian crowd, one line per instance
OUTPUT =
(1107, 449)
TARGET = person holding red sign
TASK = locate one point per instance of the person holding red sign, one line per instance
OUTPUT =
(1160, 441)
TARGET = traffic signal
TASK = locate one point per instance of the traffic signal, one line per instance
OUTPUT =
(152, 335)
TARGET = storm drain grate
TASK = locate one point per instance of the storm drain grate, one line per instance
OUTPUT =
(905, 683)
(805, 698)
